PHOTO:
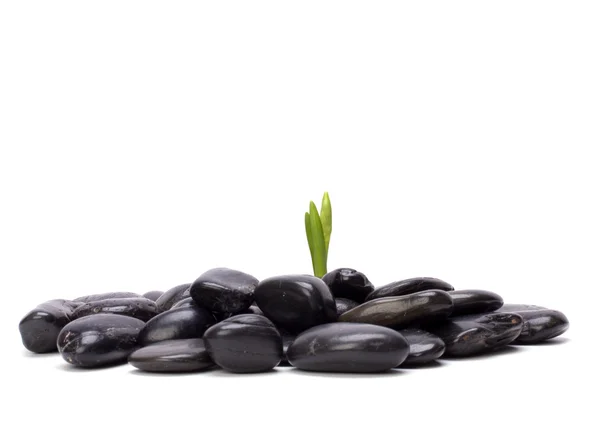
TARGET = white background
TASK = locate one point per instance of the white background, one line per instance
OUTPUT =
(143, 143)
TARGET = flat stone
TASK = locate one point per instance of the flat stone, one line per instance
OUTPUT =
(188, 355)
(244, 343)
(348, 283)
(409, 286)
(99, 340)
(106, 295)
(402, 311)
(186, 302)
(223, 290)
(296, 302)
(253, 309)
(540, 324)
(424, 347)
(474, 302)
(153, 295)
(40, 327)
(179, 323)
(478, 333)
(348, 347)
(173, 296)
(140, 308)
(343, 305)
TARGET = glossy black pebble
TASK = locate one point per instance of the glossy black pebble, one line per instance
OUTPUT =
(153, 295)
(40, 327)
(348, 283)
(173, 296)
(287, 341)
(106, 295)
(244, 343)
(424, 347)
(296, 302)
(348, 347)
(188, 355)
(342, 305)
(474, 334)
(179, 323)
(403, 311)
(409, 286)
(474, 302)
(223, 290)
(540, 324)
(140, 308)
(98, 340)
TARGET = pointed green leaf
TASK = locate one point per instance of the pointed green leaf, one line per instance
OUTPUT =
(309, 237)
(326, 220)
(318, 241)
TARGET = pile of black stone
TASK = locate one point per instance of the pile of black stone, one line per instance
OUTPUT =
(229, 319)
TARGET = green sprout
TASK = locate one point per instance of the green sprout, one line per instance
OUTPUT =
(318, 234)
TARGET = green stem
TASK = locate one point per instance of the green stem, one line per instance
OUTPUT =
(319, 250)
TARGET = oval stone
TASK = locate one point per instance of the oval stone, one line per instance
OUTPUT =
(403, 311)
(153, 295)
(223, 290)
(348, 347)
(424, 347)
(474, 302)
(106, 295)
(296, 302)
(99, 340)
(176, 324)
(343, 305)
(540, 324)
(188, 355)
(244, 343)
(348, 283)
(409, 286)
(40, 327)
(474, 334)
(140, 308)
(173, 296)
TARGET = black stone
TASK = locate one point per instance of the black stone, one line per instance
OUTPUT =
(409, 286)
(177, 324)
(287, 340)
(342, 305)
(140, 308)
(40, 327)
(348, 283)
(348, 347)
(253, 309)
(402, 311)
(539, 323)
(424, 347)
(474, 302)
(173, 296)
(188, 355)
(186, 302)
(223, 290)
(106, 295)
(153, 295)
(478, 333)
(99, 340)
(296, 302)
(244, 343)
